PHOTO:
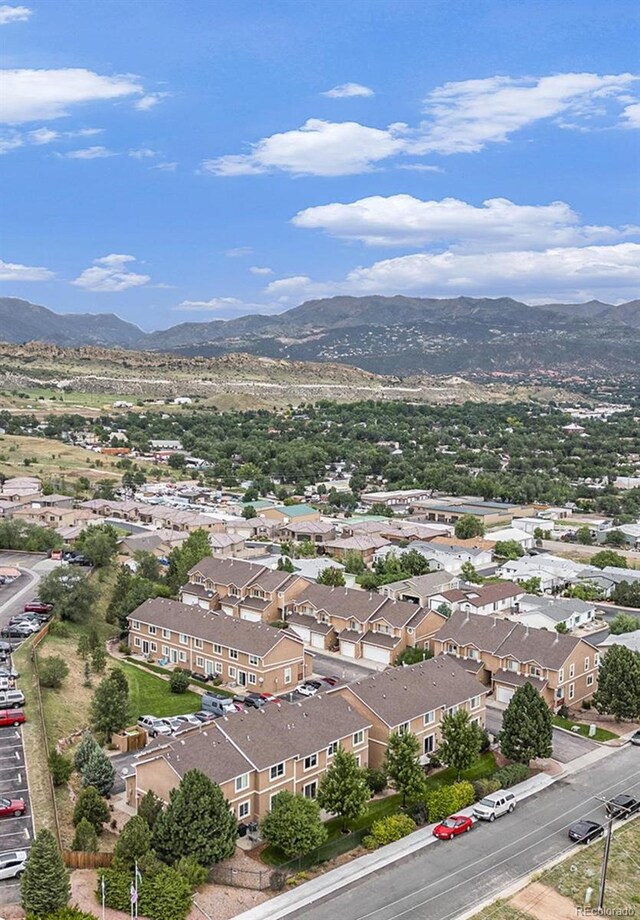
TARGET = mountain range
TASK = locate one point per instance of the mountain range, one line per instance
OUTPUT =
(388, 335)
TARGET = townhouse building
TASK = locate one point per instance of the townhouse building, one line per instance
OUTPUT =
(317, 532)
(421, 589)
(415, 699)
(252, 656)
(504, 655)
(256, 754)
(496, 597)
(359, 624)
(241, 589)
(363, 545)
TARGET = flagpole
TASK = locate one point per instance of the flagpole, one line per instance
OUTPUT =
(103, 897)
(136, 884)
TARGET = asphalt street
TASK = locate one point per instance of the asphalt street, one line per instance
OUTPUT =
(448, 878)
(566, 747)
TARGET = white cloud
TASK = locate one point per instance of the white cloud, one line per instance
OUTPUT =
(465, 116)
(238, 252)
(165, 167)
(43, 136)
(348, 90)
(31, 95)
(14, 14)
(498, 224)
(40, 137)
(573, 273)
(110, 273)
(90, 153)
(257, 270)
(631, 115)
(149, 101)
(143, 153)
(229, 306)
(9, 142)
(13, 271)
(462, 117)
(318, 148)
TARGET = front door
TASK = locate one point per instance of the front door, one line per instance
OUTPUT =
(145, 647)
(242, 678)
(174, 656)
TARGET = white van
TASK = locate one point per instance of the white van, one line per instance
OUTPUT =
(12, 865)
(492, 806)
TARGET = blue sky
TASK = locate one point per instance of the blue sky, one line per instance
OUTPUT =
(186, 160)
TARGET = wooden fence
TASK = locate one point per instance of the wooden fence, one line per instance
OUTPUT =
(81, 860)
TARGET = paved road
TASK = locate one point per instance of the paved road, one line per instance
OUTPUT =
(566, 747)
(446, 879)
(13, 597)
(328, 665)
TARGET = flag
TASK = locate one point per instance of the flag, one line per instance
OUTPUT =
(104, 889)
(138, 875)
(134, 894)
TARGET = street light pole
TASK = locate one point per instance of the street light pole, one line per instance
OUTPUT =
(605, 863)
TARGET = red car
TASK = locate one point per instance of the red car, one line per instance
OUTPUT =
(37, 606)
(451, 827)
(270, 698)
(11, 717)
(12, 808)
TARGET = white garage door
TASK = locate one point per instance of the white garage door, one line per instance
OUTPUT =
(317, 640)
(373, 653)
(302, 631)
(348, 649)
(504, 694)
(250, 615)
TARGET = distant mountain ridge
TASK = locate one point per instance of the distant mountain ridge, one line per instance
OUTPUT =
(391, 335)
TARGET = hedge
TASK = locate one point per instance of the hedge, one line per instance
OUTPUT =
(447, 800)
(162, 896)
(509, 776)
(387, 830)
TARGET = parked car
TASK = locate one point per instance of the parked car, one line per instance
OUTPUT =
(79, 559)
(12, 808)
(9, 672)
(270, 698)
(7, 683)
(218, 704)
(332, 680)
(623, 806)
(635, 737)
(492, 806)
(12, 699)
(254, 701)
(585, 831)
(11, 717)
(189, 718)
(37, 606)
(309, 687)
(451, 827)
(202, 716)
(153, 726)
(200, 675)
(12, 864)
(16, 632)
(175, 725)
(29, 626)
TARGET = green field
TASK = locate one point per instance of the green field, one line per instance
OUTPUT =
(150, 695)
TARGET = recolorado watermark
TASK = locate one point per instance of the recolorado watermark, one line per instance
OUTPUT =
(605, 911)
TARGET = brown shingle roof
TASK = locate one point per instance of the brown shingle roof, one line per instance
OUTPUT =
(400, 694)
(485, 594)
(341, 602)
(206, 749)
(227, 571)
(231, 632)
(518, 680)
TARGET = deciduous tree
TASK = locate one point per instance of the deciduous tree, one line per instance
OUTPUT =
(343, 789)
(461, 741)
(402, 765)
(293, 825)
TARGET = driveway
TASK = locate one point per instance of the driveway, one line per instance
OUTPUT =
(566, 747)
(15, 833)
(327, 665)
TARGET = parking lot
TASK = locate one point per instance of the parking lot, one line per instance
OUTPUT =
(15, 833)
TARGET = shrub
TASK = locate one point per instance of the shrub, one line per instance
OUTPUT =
(486, 786)
(133, 843)
(179, 681)
(52, 671)
(60, 768)
(486, 741)
(66, 913)
(389, 829)
(124, 648)
(586, 704)
(191, 870)
(85, 837)
(509, 776)
(165, 894)
(60, 629)
(447, 800)
(92, 806)
(418, 813)
(376, 780)
(277, 880)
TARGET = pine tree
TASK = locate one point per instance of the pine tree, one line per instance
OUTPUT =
(527, 727)
(461, 741)
(331, 576)
(99, 772)
(92, 806)
(45, 884)
(87, 675)
(98, 659)
(343, 789)
(618, 692)
(402, 765)
(133, 843)
(109, 710)
(197, 822)
(150, 807)
(85, 749)
(83, 648)
(85, 837)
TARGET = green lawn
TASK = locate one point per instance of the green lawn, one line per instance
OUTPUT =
(159, 669)
(483, 767)
(150, 695)
(601, 733)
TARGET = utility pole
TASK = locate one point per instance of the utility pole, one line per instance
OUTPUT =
(617, 811)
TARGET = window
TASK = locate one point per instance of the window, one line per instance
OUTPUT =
(429, 717)
(242, 782)
(153, 647)
(287, 675)
(452, 649)
(310, 790)
(233, 673)
(451, 711)
(472, 653)
(183, 656)
(182, 639)
(333, 747)
(534, 671)
(512, 665)
(561, 676)
(217, 649)
(165, 650)
(136, 640)
(475, 702)
(596, 660)
(244, 810)
(353, 625)
(358, 738)
(587, 662)
(276, 771)
(166, 633)
(233, 654)
(572, 671)
(197, 643)
(218, 667)
(135, 624)
(311, 761)
(404, 728)
(199, 661)
(572, 691)
(252, 679)
(589, 680)
(152, 630)
(428, 744)
(254, 660)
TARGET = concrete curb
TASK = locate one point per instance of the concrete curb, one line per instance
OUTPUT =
(324, 885)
